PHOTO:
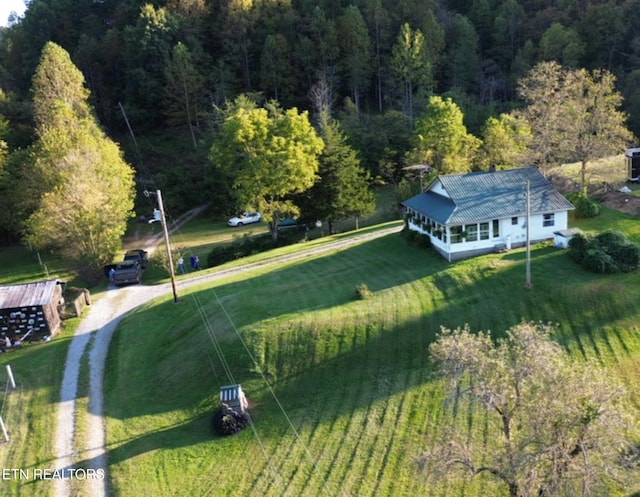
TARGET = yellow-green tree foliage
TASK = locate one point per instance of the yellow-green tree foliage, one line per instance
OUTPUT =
(441, 138)
(269, 154)
(82, 188)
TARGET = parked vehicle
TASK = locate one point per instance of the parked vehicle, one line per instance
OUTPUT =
(245, 218)
(287, 223)
(142, 256)
(300, 224)
(127, 272)
(130, 270)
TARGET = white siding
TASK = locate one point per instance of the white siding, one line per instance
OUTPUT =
(510, 235)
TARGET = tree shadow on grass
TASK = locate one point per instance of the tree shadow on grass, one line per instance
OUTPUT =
(485, 293)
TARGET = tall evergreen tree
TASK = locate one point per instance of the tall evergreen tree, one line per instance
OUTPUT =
(355, 46)
(378, 21)
(343, 187)
(275, 66)
(410, 64)
(463, 54)
(148, 47)
(184, 90)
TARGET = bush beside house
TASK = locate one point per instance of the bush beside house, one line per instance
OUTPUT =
(608, 252)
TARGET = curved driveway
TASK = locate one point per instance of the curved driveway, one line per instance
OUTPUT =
(94, 335)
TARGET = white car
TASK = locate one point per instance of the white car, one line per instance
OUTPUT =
(245, 218)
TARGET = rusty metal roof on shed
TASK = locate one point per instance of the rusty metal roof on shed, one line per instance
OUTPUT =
(27, 294)
(482, 196)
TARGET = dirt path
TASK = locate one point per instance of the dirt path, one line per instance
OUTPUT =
(94, 334)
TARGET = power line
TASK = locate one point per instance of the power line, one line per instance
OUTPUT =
(218, 347)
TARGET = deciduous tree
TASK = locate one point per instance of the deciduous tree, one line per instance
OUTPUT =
(82, 189)
(441, 138)
(269, 154)
(505, 142)
(574, 115)
(550, 425)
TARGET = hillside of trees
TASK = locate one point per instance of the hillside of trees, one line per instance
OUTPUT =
(383, 55)
(382, 70)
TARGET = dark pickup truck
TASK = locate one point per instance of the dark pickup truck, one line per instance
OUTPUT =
(139, 255)
(126, 272)
(130, 270)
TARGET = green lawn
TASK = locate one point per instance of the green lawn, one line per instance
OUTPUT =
(341, 391)
(342, 395)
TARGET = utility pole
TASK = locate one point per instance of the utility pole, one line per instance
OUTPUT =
(163, 221)
(166, 239)
(528, 283)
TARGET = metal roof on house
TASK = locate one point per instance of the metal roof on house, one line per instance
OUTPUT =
(27, 294)
(438, 207)
(483, 196)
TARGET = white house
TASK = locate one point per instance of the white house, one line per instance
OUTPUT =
(477, 213)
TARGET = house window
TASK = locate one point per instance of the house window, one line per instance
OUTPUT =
(496, 228)
(456, 234)
(547, 220)
(514, 221)
(484, 231)
(472, 232)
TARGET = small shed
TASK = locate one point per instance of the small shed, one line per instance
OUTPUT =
(232, 399)
(30, 308)
(632, 159)
(563, 237)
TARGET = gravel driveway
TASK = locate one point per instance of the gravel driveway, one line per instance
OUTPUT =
(93, 337)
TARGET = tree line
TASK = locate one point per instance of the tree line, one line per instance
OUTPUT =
(294, 109)
(169, 61)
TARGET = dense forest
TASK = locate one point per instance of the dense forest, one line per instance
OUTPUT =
(373, 63)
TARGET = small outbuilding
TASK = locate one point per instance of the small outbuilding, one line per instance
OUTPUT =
(30, 309)
(562, 238)
(233, 400)
(632, 160)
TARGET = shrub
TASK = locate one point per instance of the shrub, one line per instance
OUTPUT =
(579, 246)
(585, 206)
(406, 219)
(599, 261)
(230, 423)
(609, 252)
(410, 235)
(253, 245)
(160, 259)
(362, 291)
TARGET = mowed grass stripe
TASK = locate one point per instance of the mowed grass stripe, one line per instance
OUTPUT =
(326, 430)
(334, 360)
(398, 432)
(384, 386)
(364, 366)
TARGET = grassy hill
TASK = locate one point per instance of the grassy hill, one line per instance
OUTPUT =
(341, 391)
